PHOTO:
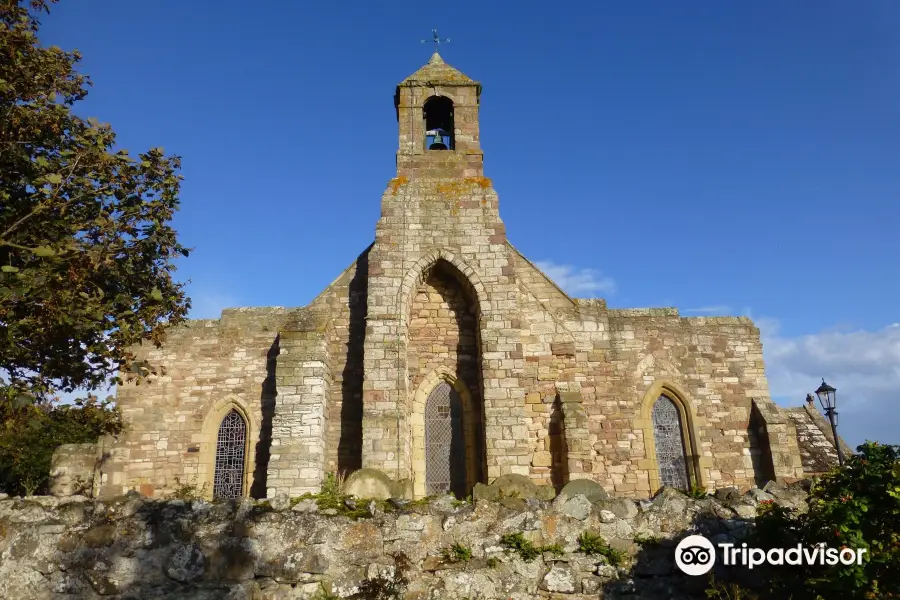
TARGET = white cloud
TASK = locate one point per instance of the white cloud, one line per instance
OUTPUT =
(714, 309)
(577, 281)
(863, 365)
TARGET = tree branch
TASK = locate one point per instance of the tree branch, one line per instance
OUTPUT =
(40, 206)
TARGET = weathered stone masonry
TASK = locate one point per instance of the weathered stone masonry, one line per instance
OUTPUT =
(554, 388)
(130, 547)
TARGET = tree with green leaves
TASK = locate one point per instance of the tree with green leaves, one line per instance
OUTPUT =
(30, 433)
(856, 506)
(87, 249)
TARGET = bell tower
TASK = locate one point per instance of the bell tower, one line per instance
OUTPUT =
(442, 300)
(437, 115)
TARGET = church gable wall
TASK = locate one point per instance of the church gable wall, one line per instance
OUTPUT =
(202, 367)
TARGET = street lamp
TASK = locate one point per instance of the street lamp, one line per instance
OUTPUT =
(828, 400)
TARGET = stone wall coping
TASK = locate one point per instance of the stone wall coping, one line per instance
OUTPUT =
(324, 293)
(824, 426)
(533, 266)
(672, 312)
(643, 312)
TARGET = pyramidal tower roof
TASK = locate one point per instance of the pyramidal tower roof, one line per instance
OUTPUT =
(436, 71)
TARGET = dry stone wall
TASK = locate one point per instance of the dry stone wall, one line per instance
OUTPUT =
(134, 547)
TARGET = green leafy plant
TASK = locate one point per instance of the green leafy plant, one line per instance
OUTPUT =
(333, 485)
(457, 553)
(87, 249)
(593, 544)
(517, 543)
(31, 432)
(492, 562)
(333, 496)
(646, 539)
(324, 593)
(189, 491)
(422, 502)
(727, 591)
(552, 549)
(855, 507)
(463, 502)
(525, 548)
(697, 492)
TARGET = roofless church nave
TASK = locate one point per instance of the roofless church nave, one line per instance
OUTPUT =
(443, 358)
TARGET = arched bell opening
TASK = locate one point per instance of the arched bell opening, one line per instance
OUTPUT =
(439, 127)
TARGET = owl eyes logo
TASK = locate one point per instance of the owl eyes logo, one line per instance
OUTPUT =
(695, 555)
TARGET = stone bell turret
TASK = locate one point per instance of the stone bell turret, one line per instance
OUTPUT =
(437, 114)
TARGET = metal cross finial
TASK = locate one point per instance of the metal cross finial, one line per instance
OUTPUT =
(437, 41)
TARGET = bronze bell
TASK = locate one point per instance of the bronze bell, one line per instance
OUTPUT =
(438, 143)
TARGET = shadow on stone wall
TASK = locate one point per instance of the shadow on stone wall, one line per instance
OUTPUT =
(267, 403)
(133, 547)
(760, 449)
(653, 573)
(349, 452)
(456, 293)
(468, 369)
(559, 454)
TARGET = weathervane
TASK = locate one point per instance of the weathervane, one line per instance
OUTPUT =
(436, 40)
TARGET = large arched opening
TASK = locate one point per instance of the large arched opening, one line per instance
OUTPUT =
(444, 369)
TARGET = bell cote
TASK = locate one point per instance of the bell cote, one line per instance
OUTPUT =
(437, 117)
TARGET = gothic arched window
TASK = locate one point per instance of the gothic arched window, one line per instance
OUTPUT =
(230, 456)
(668, 437)
(445, 451)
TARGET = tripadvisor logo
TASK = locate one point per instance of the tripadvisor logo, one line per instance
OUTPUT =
(696, 555)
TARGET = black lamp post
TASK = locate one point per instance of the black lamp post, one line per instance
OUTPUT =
(828, 400)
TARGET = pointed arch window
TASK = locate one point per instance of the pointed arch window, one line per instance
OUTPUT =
(231, 445)
(669, 439)
(445, 453)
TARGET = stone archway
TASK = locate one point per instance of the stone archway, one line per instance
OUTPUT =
(444, 346)
(670, 426)
(238, 457)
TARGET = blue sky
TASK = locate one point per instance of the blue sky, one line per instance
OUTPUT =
(733, 158)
